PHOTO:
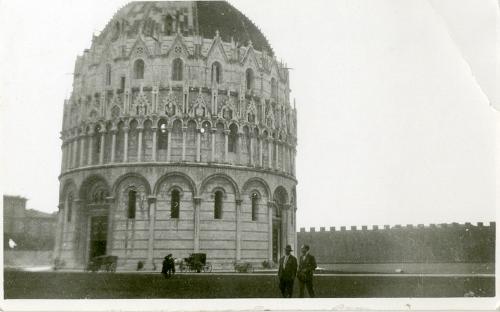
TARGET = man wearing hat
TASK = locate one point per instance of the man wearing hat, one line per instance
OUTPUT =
(286, 272)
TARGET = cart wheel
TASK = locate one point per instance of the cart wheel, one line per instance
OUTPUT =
(207, 268)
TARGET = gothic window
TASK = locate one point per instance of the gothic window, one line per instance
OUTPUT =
(274, 88)
(249, 78)
(167, 27)
(174, 204)
(108, 74)
(255, 208)
(233, 138)
(122, 83)
(218, 205)
(177, 69)
(69, 210)
(139, 69)
(132, 196)
(216, 72)
(163, 136)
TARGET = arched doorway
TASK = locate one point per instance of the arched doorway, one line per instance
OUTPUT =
(95, 214)
(279, 226)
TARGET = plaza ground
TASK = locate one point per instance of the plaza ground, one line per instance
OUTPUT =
(81, 285)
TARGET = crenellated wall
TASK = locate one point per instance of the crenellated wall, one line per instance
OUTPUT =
(402, 244)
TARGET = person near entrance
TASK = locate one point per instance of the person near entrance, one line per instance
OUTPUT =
(286, 272)
(307, 265)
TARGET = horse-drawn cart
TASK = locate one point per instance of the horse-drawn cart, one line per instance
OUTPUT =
(104, 263)
(196, 262)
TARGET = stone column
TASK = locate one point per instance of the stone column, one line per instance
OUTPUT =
(125, 144)
(251, 149)
(91, 148)
(238, 149)
(78, 236)
(113, 145)
(151, 225)
(198, 145)
(197, 207)
(214, 131)
(270, 230)
(226, 146)
(184, 130)
(101, 152)
(276, 145)
(155, 132)
(73, 153)
(261, 155)
(169, 145)
(139, 144)
(82, 150)
(270, 152)
(63, 157)
(111, 216)
(238, 229)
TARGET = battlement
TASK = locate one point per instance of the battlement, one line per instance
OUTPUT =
(364, 228)
(420, 243)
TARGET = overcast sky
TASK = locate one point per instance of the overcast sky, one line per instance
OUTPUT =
(393, 97)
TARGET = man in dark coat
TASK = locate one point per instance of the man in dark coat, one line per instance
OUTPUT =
(286, 272)
(307, 265)
(168, 267)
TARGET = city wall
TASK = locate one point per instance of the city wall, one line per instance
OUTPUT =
(435, 243)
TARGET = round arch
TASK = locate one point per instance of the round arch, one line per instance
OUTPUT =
(131, 175)
(259, 181)
(224, 177)
(89, 182)
(68, 185)
(184, 176)
(280, 195)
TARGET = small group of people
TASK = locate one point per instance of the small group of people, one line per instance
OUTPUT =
(168, 267)
(288, 270)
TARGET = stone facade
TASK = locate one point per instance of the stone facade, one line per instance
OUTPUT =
(177, 143)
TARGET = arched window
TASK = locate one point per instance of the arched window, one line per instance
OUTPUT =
(216, 72)
(167, 29)
(274, 88)
(108, 74)
(249, 78)
(177, 69)
(174, 204)
(218, 205)
(255, 207)
(69, 210)
(139, 69)
(163, 136)
(132, 196)
(233, 138)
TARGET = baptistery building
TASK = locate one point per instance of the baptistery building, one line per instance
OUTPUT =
(178, 137)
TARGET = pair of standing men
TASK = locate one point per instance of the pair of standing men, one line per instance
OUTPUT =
(288, 270)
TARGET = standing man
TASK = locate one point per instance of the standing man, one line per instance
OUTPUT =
(307, 265)
(286, 272)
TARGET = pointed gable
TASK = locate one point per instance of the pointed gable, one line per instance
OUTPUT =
(250, 59)
(139, 49)
(216, 51)
(178, 47)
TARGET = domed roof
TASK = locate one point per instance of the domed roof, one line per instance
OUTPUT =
(190, 18)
